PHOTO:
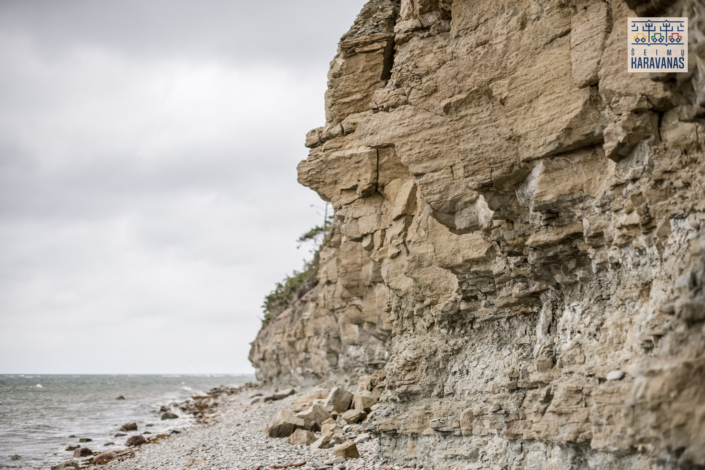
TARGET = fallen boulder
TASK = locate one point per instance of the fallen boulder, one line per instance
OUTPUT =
(323, 442)
(353, 416)
(329, 427)
(284, 423)
(338, 400)
(104, 457)
(316, 413)
(82, 452)
(347, 450)
(301, 437)
(364, 437)
(131, 426)
(134, 441)
(363, 400)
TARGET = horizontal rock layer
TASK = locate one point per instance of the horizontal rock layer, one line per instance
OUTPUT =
(519, 238)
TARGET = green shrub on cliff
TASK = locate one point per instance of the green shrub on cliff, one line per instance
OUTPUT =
(292, 288)
(295, 286)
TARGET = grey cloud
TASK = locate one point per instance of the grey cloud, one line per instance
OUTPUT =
(298, 32)
(148, 194)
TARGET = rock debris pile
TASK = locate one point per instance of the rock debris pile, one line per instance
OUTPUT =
(240, 439)
(338, 416)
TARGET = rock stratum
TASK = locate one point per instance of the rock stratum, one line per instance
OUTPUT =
(518, 255)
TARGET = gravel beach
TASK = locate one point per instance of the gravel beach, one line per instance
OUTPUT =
(235, 439)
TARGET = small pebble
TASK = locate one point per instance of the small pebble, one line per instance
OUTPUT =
(615, 375)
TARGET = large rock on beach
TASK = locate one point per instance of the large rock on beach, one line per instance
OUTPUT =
(347, 450)
(284, 423)
(323, 442)
(104, 457)
(364, 400)
(136, 440)
(329, 427)
(131, 426)
(338, 400)
(301, 437)
(82, 452)
(169, 415)
(316, 413)
(353, 416)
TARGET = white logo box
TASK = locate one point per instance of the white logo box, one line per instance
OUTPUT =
(657, 45)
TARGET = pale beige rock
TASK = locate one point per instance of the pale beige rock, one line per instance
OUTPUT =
(328, 429)
(347, 450)
(338, 400)
(317, 413)
(284, 423)
(363, 400)
(322, 442)
(353, 416)
(306, 401)
(301, 437)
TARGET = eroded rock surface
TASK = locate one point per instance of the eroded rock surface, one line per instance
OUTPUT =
(517, 218)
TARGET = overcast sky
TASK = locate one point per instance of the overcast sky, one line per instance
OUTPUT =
(148, 194)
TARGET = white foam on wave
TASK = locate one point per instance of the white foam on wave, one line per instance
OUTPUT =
(39, 386)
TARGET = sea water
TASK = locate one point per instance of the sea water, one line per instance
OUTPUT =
(38, 413)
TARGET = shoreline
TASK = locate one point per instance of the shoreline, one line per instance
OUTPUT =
(42, 425)
(235, 437)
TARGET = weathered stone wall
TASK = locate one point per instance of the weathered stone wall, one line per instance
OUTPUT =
(519, 238)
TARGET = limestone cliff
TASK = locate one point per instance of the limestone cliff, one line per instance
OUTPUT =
(519, 239)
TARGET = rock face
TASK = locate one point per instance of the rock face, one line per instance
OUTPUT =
(519, 239)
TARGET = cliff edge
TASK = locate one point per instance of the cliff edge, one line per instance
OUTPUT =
(518, 249)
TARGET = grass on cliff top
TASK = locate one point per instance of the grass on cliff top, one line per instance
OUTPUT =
(296, 285)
